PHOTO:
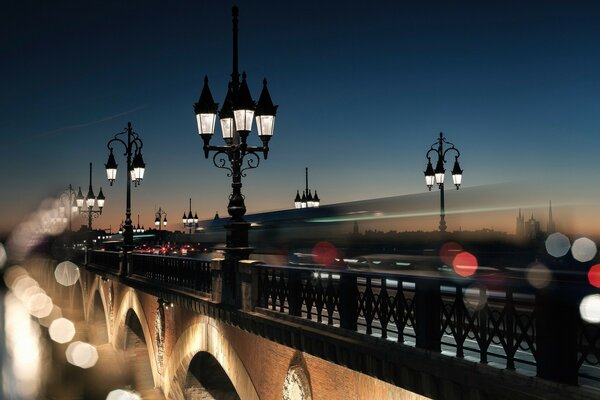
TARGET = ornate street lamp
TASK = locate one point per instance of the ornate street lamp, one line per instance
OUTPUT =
(135, 173)
(86, 204)
(307, 200)
(161, 218)
(190, 221)
(437, 176)
(236, 155)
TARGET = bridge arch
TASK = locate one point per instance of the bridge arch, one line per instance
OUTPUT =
(131, 305)
(205, 336)
(97, 302)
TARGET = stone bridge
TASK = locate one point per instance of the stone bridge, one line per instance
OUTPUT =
(301, 333)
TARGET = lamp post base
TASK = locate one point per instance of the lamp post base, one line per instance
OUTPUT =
(237, 249)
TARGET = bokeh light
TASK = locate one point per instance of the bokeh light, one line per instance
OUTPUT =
(12, 273)
(538, 276)
(557, 244)
(589, 309)
(55, 313)
(39, 305)
(475, 297)
(120, 394)
(324, 253)
(448, 251)
(82, 355)
(583, 249)
(61, 330)
(594, 275)
(66, 273)
(3, 256)
(465, 264)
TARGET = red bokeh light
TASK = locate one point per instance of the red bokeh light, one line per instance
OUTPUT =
(594, 275)
(448, 251)
(324, 253)
(465, 264)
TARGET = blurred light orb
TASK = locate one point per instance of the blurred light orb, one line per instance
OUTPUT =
(12, 273)
(61, 330)
(448, 251)
(557, 244)
(538, 276)
(3, 256)
(82, 355)
(324, 253)
(589, 308)
(55, 313)
(120, 394)
(594, 275)
(475, 297)
(584, 249)
(66, 273)
(465, 264)
(39, 305)
(24, 286)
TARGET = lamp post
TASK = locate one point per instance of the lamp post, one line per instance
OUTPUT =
(190, 221)
(86, 204)
(437, 176)
(307, 200)
(135, 173)
(68, 206)
(236, 155)
(161, 218)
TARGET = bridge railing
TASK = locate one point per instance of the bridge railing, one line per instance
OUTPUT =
(106, 260)
(488, 320)
(181, 272)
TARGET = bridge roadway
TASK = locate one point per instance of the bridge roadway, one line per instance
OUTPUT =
(339, 334)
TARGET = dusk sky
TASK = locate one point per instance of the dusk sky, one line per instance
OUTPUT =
(363, 89)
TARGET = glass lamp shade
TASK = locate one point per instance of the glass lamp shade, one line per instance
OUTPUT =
(265, 113)
(165, 222)
(227, 128)
(429, 175)
(111, 168)
(316, 200)
(156, 222)
(138, 167)
(206, 123)
(309, 200)
(457, 174)
(101, 199)
(243, 107)
(265, 125)
(184, 219)
(90, 201)
(196, 218)
(206, 111)
(297, 200)
(439, 172)
(79, 199)
(243, 119)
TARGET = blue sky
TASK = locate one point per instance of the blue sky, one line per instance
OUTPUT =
(364, 89)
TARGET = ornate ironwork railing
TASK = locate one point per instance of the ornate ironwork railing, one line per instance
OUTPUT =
(105, 260)
(181, 272)
(491, 322)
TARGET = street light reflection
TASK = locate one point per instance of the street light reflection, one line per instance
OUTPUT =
(66, 273)
(538, 276)
(584, 249)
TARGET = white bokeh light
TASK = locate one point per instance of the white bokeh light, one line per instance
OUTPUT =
(82, 355)
(39, 305)
(589, 309)
(2, 256)
(584, 249)
(61, 330)
(55, 313)
(66, 273)
(475, 297)
(557, 244)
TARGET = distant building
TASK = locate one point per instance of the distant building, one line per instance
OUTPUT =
(532, 228)
(520, 233)
(551, 224)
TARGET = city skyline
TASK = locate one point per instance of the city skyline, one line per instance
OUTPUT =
(361, 100)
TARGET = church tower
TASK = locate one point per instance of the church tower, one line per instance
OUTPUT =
(520, 232)
(551, 224)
